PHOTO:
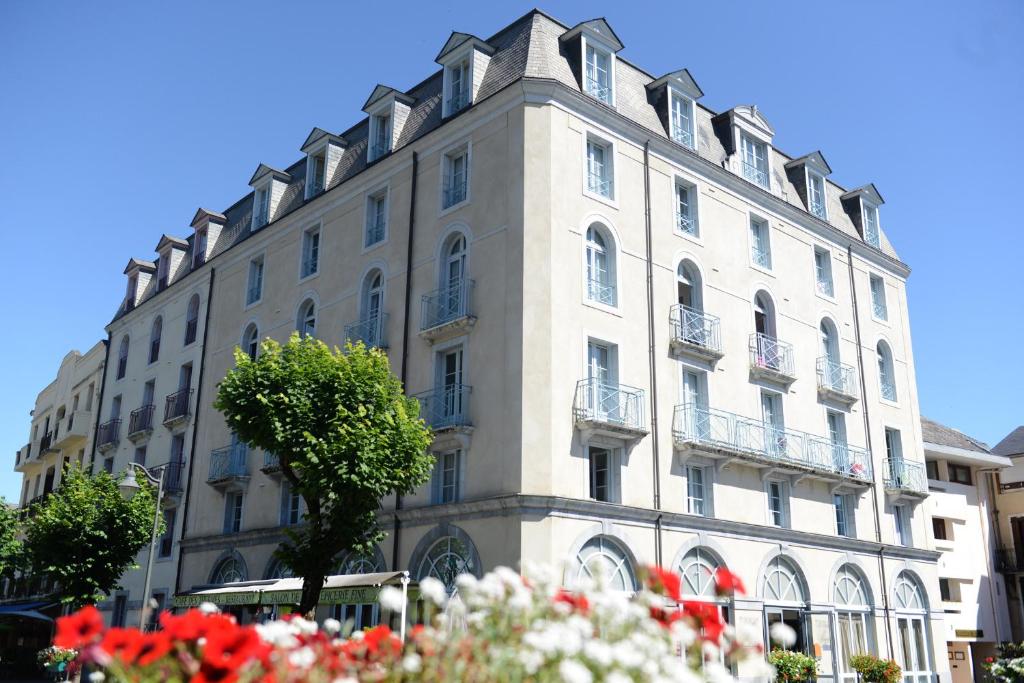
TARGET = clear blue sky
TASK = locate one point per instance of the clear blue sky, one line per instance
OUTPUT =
(117, 120)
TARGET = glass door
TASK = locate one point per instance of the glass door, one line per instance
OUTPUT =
(603, 394)
(912, 649)
(792, 617)
(451, 383)
(819, 626)
(852, 634)
(455, 272)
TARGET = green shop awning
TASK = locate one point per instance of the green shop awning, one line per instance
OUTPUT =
(340, 589)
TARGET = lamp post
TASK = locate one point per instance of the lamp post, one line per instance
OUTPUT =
(129, 486)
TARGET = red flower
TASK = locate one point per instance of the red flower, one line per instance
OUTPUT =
(153, 647)
(664, 582)
(122, 644)
(727, 583)
(231, 648)
(193, 625)
(381, 639)
(707, 619)
(78, 629)
(577, 601)
(212, 673)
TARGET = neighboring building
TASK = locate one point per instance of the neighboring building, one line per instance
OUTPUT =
(641, 332)
(1010, 534)
(960, 505)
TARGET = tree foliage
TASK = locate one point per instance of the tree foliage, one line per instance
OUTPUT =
(85, 535)
(12, 550)
(345, 435)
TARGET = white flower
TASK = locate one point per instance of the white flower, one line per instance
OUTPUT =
(332, 626)
(208, 608)
(412, 663)
(302, 658)
(598, 651)
(465, 582)
(433, 590)
(617, 677)
(782, 634)
(572, 671)
(391, 598)
(97, 677)
(531, 660)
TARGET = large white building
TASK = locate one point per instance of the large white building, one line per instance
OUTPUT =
(642, 333)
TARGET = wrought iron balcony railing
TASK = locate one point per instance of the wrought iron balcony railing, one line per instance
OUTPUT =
(600, 291)
(607, 403)
(761, 257)
(141, 420)
(695, 328)
(905, 475)
(446, 406)
(595, 88)
(271, 462)
(260, 219)
(825, 286)
(880, 310)
(770, 354)
(598, 184)
(458, 101)
(108, 433)
(731, 434)
(446, 304)
(818, 209)
(177, 405)
(229, 462)
(685, 224)
(755, 175)
(315, 186)
(375, 231)
(379, 149)
(371, 331)
(44, 442)
(836, 378)
(173, 479)
(682, 136)
(454, 192)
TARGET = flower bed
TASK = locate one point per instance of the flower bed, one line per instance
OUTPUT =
(504, 626)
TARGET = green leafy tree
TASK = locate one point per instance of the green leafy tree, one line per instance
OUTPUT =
(85, 535)
(345, 435)
(12, 550)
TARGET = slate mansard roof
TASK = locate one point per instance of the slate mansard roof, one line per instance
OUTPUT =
(941, 435)
(529, 48)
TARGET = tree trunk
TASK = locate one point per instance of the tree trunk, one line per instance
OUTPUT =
(311, 588)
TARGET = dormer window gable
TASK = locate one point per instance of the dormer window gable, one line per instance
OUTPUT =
(747, 137)
(808, 174)
(592, 47)
(675, 96)
(171, 251)
(268, 185)
(208, 226)
(388, 110)
(862, 206)
(323, 151)
(139, 273)
(464, 59)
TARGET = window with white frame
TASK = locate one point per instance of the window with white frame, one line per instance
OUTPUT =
(600, 167)
(254, 286)
(291, 505)
(878, 307)
(122, 358)
(686, 208)
(597, 79)
(823, 271)
(261, 207)
(233, 512)
(901, 520)
(456, 177)
(310, 253)
(154, 339)
(755, 160)
(698, 491)
(376, 218)
(163, 271)
(604, 474)
(845, 505)
(306, 323)
(447, 479)
(600, 261)
(316, 173)
(251, 341)
(459, 86)
(380, 135)
(886, 373)
(681, 118)
(778, 502)
(869, 214)
(760, 243)
(816, 195)
(199, 248)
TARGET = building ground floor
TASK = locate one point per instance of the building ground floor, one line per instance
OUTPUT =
(842, 596)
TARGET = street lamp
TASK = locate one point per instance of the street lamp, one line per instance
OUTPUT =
(129, 486)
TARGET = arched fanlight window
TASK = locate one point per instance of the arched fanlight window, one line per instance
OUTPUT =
(782, 582)
(154, 339)
(360, 563)
(228, 570)
(122, 357)
(886, 374)
(278, 570)
(849, 589)
(908, 594)
(192, 319)
(688, 286)
(251, 341)
(697, 569)
(764, 314)
(454, 267)
(446, 560)
(306, 322)
(600, 266)
(829, 341)
(603, 557)
(373, 295)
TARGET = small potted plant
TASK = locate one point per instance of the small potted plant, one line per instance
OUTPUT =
(56, 660)
(873, 669)
(792, 667)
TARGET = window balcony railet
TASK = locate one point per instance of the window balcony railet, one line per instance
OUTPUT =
(599, 185)
(108, 434)
(771, 359)
(685, 224)
(375, 231)
(447, 311)
(905, 478)
(271, 464)
(446, 407)
(695, 333)
(616, 410)
(755, 175)
(458, 101)
(889, 390)
(379, 149)
(836, 381)
(46, 443)
(260, 219)
(370, 331)
(1009, 560)
(177, 407)
(229, 465)
(682, 136)
(140, 422)
(601, 292)
(454, 193)
(818, 210)
(173, 477)
(596, 89)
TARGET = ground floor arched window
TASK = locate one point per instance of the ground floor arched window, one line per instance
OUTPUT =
(851, 596)
(912, 637)
(604, 558)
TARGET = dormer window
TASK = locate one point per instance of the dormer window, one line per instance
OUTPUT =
(261, 208)
(755, 160)
(861, 205)
(598, 74)
(163, 271)
(380, 135)
(132, 293)
(681, 118)
(871, 235)
(316, 169)
(816, 195)
(458, 86)
(199, 249)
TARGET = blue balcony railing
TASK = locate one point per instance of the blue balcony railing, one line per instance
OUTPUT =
(371, 331)
(598, 184)
(682, 135)
(904, 475)
(818, 209)
(379, 149)
(837, 377)
(446, 406)
(608, 403)
(685, 224)
(595, 88)
(768, 353)
(695, 328)
(454, 192)
(446, 304)
(229, 462)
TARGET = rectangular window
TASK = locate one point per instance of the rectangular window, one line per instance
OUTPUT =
(163, 271)
(778, 503)
(844, 506)
(458, 87)
(261, 207)
(823, 271)
(878, 307)
(755, 160)
(901, 519)
(381, 139)
(598, 78)
(177, 449)
(108, 467)
(120, 612)
(698, 491)
(870, 215)
(376, 218)
(959, 474)
(686, 213)
(681, 120)
(448, 477)
(816, 195)
(599, 167)
(939, 528)
(316, 178)
(932, 468)
(291, 505)
(233, 513)
(254, 291)
(760, 243)
(167, 538)
(199, 249)
(456, 178)
(140, 456)
(893, 444)
(310, 252)
(944, 590)
(603, 474)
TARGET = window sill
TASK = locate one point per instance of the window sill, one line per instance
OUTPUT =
(762, 269)
(609, 201)
(612, 310)
(825, 297)
(455, 207)
(697, 239)
(307, 278)
(887, 402)
(376, 245)
(881, 321)
(254, 304)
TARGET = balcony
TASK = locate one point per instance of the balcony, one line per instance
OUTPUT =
(457, 102)
(818, 210)
(599, 185)
(837, 382)
(685, 224)
(76, 430)
(598, 90)
(108, 434)
(379, 149)
(771, 359)
(259, 220)
(46, 443)
(173, 477)
(22, 455)
(271, 464)
(755, 175)
(447, 312)
(721, 435)
(177, 407)
(606, 409)
(372, 332)
(140, 423)
(446, 408)
(229, 466)
(905, 479)
(695, 334)
(1010, 560)
(681, 135)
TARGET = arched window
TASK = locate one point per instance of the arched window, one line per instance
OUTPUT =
(278, 570)
(829, 341)
(306, 321)
(446, 559)
(850, 589)
(122, 358)
(764, 315)
(251, 341)
(688, 286)
(886, 374)
(603, 557)
(454, 283)
(853, 610)
(360, 563)
(908, 594)
(783, 583)
(154, 339)
(601, 275)
(697, 569)
(912, 638)
(228, 570)
(372, 300)
(192, 319)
